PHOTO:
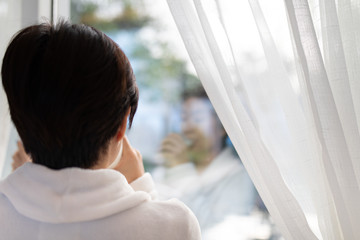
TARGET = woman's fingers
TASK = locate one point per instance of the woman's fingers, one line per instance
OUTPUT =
(20, 157)
(130, 165)
(173, 143)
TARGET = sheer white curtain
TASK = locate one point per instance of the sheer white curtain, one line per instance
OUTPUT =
(283, 77)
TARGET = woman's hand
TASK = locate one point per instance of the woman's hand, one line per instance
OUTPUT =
(174, 150)
(200, 149)
(20, 157)
(131, 164)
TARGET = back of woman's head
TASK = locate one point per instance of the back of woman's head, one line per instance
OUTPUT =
(69, 88)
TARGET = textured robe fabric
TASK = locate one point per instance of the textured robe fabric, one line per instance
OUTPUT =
(39, 203)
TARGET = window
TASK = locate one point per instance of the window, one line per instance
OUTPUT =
(176, 129)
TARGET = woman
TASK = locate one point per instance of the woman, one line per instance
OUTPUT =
(71, 90)
(202, 170)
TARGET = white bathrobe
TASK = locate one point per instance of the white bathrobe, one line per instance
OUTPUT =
(73, 203)
(223, 189)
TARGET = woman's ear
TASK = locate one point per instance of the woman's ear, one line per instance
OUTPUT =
(122, 129)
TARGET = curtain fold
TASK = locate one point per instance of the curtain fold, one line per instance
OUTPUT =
(295, 128)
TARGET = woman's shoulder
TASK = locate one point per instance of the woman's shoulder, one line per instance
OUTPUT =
(170, 219)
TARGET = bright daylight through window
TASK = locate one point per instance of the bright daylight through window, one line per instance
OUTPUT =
(176, 129)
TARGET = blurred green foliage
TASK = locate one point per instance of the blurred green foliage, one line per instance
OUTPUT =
(128, 19)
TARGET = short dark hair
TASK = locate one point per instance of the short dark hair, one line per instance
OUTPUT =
(69, 88)
(197, 92)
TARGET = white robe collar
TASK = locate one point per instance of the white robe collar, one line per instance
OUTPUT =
(69, 195)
